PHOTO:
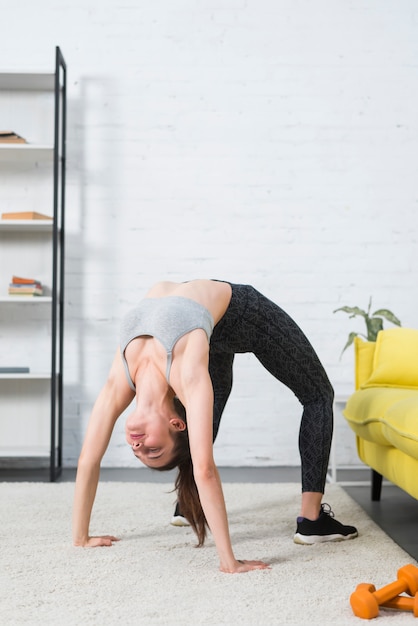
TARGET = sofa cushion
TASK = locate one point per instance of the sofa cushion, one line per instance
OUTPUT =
(395, 361)
(400, 426)
(366, 411)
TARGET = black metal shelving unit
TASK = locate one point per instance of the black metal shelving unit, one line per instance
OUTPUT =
(56, 84)
(58, 258)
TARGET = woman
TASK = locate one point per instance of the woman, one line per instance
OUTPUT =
(177, 349)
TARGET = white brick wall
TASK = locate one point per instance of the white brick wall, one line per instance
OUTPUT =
(265, 141)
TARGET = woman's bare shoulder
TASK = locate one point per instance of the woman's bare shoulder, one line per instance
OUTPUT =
(212, 294)
(162, 289)
(197, 289)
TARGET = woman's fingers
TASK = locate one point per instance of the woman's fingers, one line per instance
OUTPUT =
(250, 565)
(104, 540)
(246, 566)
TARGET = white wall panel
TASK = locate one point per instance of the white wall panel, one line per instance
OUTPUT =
(270, 142)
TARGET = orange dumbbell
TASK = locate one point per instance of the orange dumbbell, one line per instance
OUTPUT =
(402, 603)
(365, 600)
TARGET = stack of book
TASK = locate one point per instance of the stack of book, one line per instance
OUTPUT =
(8, 136)
(25, 287)
(25, 215)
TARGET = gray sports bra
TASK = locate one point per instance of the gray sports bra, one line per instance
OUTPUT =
(167, 319)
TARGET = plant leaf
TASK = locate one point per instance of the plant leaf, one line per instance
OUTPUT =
(374, 325)
(350, 340)
(388, 315)
(352, 310)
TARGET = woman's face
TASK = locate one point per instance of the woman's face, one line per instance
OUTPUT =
(151, 437)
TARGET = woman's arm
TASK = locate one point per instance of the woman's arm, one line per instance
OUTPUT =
(198, 395)
(113, 399)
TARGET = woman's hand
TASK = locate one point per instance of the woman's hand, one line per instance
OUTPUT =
(95, 542)
(240, 567)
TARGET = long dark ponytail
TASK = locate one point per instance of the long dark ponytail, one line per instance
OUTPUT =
(187, 494)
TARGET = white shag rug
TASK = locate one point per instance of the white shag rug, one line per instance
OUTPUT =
(155, 575)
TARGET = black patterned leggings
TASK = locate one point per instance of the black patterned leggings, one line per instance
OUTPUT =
(253, 323)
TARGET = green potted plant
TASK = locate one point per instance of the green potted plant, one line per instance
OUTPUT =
(374, 321)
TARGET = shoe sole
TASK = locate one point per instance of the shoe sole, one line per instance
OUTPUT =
(309, 540)
(179, 520)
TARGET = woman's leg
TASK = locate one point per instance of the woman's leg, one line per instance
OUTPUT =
(253, 323)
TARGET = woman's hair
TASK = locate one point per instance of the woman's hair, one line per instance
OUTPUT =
(185, 485)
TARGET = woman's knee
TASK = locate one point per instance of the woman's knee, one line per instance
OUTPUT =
(322, 395)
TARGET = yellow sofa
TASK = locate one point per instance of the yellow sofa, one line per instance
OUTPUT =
(383, 411)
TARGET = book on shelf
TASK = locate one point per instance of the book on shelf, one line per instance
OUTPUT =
(25, 215)
(14, 370)
(25, 287)
(25, 290)
(19, 280)
(8, 136)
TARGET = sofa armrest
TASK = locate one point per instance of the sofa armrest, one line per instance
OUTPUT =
(363, 360)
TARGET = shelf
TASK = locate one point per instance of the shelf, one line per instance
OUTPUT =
(25, 452)
(26, 299)
(22, 376)
(26, 225)
(27, 81)
(28, 151)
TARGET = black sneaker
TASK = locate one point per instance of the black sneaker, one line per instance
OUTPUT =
(325, 528)
(178, 519)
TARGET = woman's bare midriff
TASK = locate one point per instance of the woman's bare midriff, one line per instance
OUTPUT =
(213, 295)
